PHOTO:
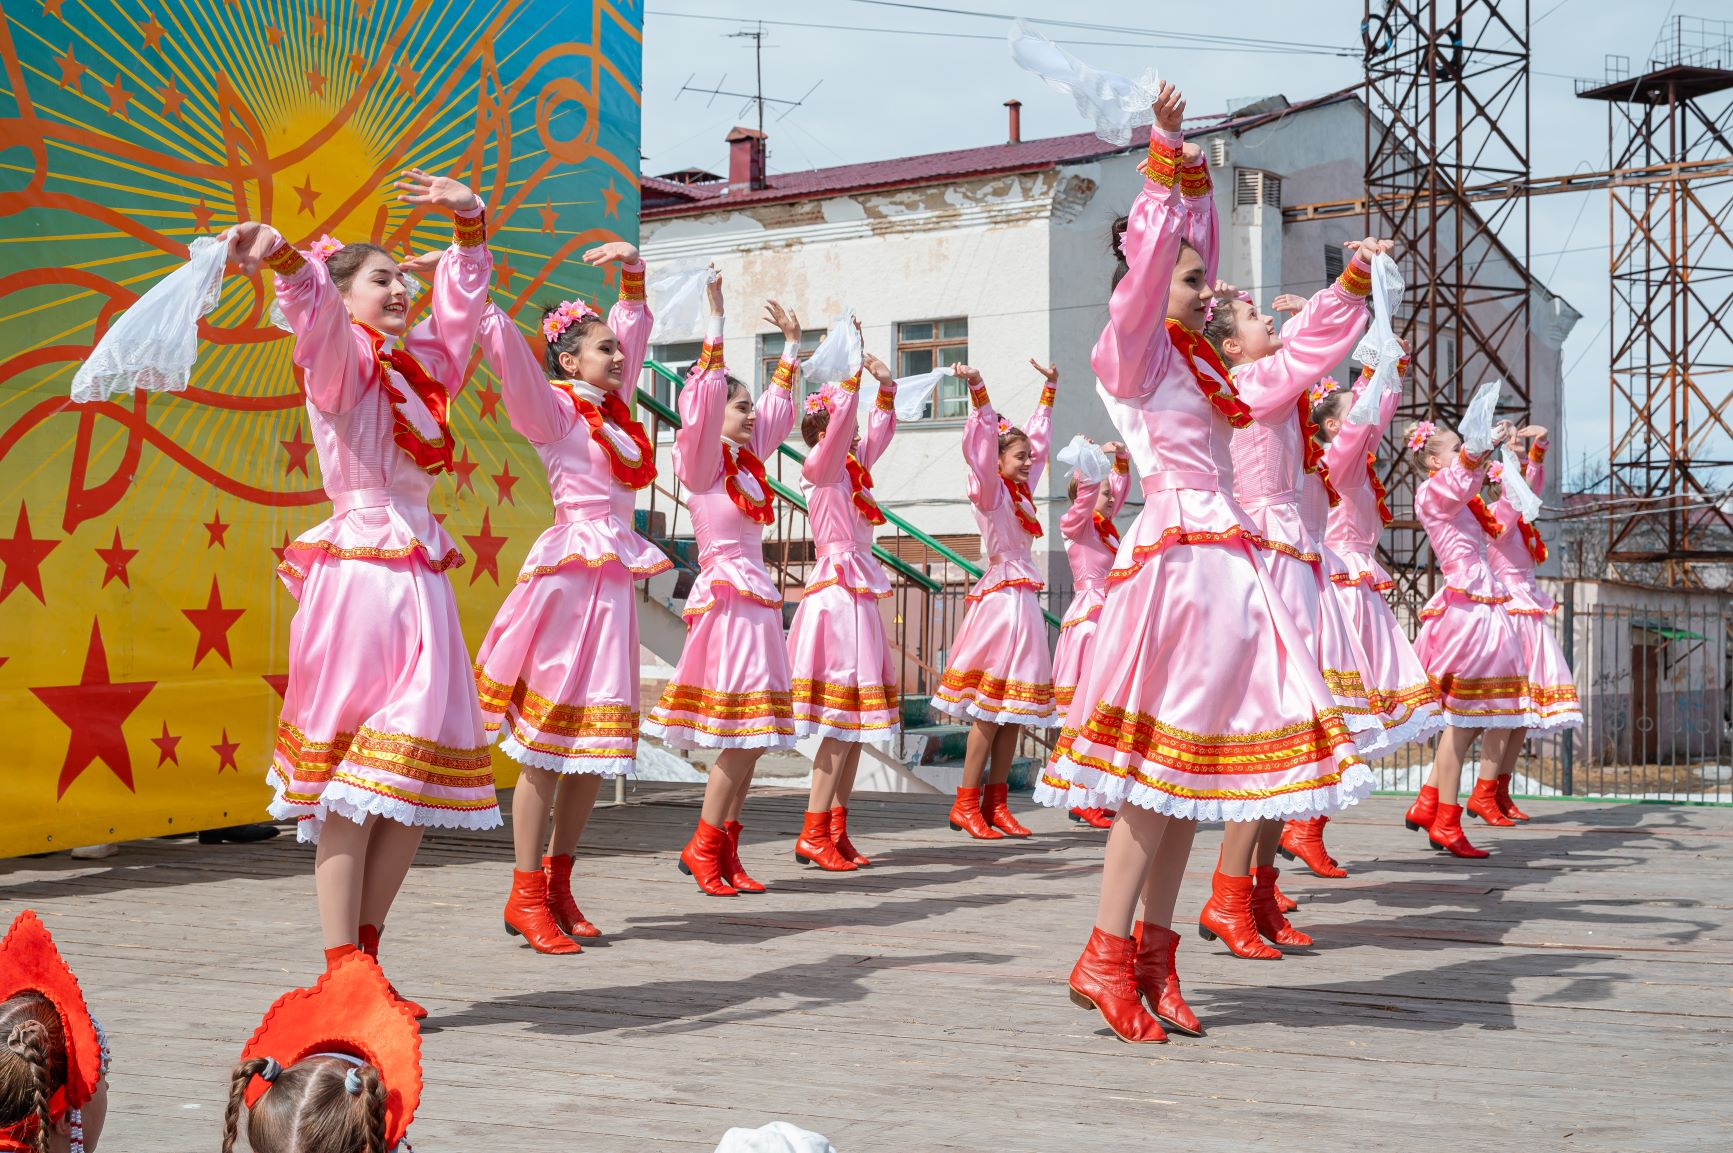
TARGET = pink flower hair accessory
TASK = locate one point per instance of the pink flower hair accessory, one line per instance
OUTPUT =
(1323, 389)
(1004, 426)
(1495, 472)
(569, 312)
(824, 399)
(1421, 434)
(324, 247)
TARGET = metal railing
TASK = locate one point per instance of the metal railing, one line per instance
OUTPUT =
(1655, 678)
(927, 601)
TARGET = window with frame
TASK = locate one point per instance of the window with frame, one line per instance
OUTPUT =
(679, 356)
(770, 351)
(1335, 260)
(925, 345)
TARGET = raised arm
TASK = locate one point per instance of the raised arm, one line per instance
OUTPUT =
(1534, 464)
(981, 443)
(703, 404)
(827, 462)
(776, 403)
(1321, 336)
(1078, 523)
(1198, 206)
(443, 341)
(336, 365)
(537, 411)
(1135, 340)
(1119, 484)
(1450, 489)
(1039, 427)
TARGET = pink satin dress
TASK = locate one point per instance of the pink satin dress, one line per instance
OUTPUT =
(999, 669)
(379, 714)
(1269, 478)
(1201, 699)
(1091, 557)
(1552, 690)
(845, 681)
(558, 670)
(1467, 641)
(1396, 682)
(732, 688)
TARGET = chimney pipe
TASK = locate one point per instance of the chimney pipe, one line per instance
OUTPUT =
(1016, 129)
(746, 153)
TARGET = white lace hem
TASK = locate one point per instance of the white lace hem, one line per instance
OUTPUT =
(970, 711)
(680, 737)
(352, 804)
(867, 736)
(607, 767)
(1422, 726)
(1355, 785)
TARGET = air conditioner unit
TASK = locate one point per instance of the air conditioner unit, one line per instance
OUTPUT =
(1218, 152)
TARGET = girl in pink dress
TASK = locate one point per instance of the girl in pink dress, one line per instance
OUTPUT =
(1201, 701)
(1468, 644)
(1000, 675)
(558, 670)
(731, 690)
(1513, 552)
(1274, 461)
(379, 727)
(1091, 543)
(845, 682)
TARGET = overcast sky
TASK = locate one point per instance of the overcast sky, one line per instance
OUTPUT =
(899, 79)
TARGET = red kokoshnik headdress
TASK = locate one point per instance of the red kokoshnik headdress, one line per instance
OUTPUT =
(29, 963)
(349, 1012)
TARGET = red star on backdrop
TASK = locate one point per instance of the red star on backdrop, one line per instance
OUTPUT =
(363, 8)
(216, 527)
(165, 746)
(308, 196)
(315, 82)
(117, 98)
(23, 554)
(202, 215)
(281, 553)
(273, 33)
(489, 397)
(439, 517)
(315, 24)
(52, 8)
(94, 710)
(486, 546)
(116, 557)
(225, 750)
(213, 622)
(70, 69)
(152, 31)
(611, 199)
(462, 467)
(550, 218)
(297, 450)
(502, 271)
(407, 79)
(279, 682)
(172, 99)
(505, 480)
(358, 63)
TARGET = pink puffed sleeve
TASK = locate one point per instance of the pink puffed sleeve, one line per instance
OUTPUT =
(442, 342)
(827, 463)
(1197, 202)
(1079, 519)
(1325, 331)
(776, 404)
(881, 426)
(1039, 429)
(1134, 345)
(981, 450)
(1119, 485)
(1450, 489)
(631, 321)
(539, 412)
(703, 403)
(335, 359)
(1534, 467)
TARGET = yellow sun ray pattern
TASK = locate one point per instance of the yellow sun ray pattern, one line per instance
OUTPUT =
(143, 634)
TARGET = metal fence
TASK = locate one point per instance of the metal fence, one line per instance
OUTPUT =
(1655, 677)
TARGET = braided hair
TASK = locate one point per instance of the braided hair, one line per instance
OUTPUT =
(32, 1063)
(309, 1108)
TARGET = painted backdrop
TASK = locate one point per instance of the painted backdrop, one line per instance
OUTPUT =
(143, 635)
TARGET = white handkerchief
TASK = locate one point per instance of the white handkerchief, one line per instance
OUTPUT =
(1379, 349)
(913, 392)
(1521, 497)
(838, 355)
(1086, 459)
(675, 297)
(154, 344)
(1476, 428)
(1115, 104)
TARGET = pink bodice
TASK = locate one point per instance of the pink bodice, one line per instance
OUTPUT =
(1006, 544)
(1089, 556)
(840, 534)
(1354, 524)
(1458, 542)
(379, 492)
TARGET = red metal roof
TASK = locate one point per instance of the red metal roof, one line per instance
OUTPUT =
(665, 198)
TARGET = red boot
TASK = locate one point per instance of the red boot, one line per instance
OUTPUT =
(527, 916)
(1158, 980)
(1228, 915)
(816, 848)
(370, 945)
(701, 860)
(1423, 810)
(1267, 914)
(1305, 840)
(966, 816)
(1104, 980)
(996, 808)
(1483, 803)
(732, 870)
(1505, 804)
(839, 837)
(1094, 818)
(567, 915)
(1284, 902)
(332, 956)
(1446, 833)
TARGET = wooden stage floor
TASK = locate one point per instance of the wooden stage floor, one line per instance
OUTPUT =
(1570, 993)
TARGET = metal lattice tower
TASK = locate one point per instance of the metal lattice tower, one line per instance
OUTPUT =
(1447, 82)
(1671, 283)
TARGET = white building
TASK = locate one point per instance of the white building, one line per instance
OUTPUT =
(997, 254)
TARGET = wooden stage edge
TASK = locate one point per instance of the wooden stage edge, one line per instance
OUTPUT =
(1570, 992)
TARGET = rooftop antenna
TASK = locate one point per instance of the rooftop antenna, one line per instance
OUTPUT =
(756, 97)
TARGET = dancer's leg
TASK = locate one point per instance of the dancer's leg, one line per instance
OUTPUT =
(531, 801)
(1167, 871)
(737, 800)
(390, 851)
(728, 779)
(1004, 752)
(1453, 746)
(1132, 847)
(339, 867)
(827, 765)
(1238, 841)
(979, 752)
(846, 775)
(1269, 836)
(573, 800)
